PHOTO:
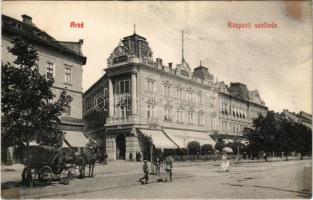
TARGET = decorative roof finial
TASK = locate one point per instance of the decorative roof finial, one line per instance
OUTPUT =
(182, 50)
(134, 28)
(120, 43)
(200, 63)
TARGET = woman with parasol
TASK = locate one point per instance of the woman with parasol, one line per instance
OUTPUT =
(225, 165)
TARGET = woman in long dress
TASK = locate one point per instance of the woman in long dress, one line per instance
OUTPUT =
(225, 165)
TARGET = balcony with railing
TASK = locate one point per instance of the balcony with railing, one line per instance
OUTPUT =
(122, 120)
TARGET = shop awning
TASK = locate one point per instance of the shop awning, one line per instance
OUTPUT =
(228, 141)
(244, 141)
(75, 139)
(182, 138)
(159, 139)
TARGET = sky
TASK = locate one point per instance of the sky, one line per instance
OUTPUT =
(275, 61)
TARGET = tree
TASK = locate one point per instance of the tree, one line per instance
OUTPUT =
(264, 134)
(146, 144)
(220, 144)
(28, 113)
(275, 133)
(304, 140)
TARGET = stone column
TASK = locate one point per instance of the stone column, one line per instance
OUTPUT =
(134, 93)
(110, 147)
(111, 99)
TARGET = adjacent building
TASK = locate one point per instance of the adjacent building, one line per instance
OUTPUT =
(60, 60)
(301, 117)
(172, 104)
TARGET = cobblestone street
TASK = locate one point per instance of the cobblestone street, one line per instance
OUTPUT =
(283, 179)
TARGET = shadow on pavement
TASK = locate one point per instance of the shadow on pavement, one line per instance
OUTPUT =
(302, 193)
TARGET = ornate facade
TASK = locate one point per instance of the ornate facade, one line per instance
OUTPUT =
(160, 100)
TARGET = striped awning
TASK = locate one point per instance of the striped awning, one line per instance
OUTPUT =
(226, 141)
(74, 139)
(183, 137)
(159, 139)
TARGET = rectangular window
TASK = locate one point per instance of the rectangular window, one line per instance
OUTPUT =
(200, 121)
(49, 70)
(50, 100)
(123, 112)
(167, 91)
(167, 114)
(68, 75)
(150, 110)
(124, 86)
(67, 110)
(150, 86)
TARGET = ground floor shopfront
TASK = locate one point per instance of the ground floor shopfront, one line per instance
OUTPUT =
(123, 140)
(74, 141)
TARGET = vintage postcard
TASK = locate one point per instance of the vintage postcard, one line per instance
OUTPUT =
(156, 100)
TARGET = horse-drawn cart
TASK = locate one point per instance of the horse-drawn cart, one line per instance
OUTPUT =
(47, 164)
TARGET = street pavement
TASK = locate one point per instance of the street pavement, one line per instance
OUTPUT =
(283, 179)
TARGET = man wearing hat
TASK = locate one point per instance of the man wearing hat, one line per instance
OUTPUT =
(146, 170)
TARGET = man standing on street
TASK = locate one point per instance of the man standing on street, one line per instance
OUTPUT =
(146, 171)
(169, 167)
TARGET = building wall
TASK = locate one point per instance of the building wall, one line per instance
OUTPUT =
(236, 114)
(95, 117)
(59, 62)
(163, 100)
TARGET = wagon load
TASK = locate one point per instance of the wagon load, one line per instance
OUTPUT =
(44, 165)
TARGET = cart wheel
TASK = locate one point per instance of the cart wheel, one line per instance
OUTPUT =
(71, 174)
(46, 174)
(28, 176)
(56, 176)
(24, 175)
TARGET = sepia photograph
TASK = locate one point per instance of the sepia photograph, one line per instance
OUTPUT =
(156, 100)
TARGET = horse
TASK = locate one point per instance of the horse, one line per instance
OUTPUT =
(78, 160)
(90, 160)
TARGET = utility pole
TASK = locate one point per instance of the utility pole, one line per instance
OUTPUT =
(151, 159)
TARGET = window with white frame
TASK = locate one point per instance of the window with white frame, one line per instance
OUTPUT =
(189, 117)
(124, 86)
(179, 116)
(150, 86)
(68, 75)
(167, 90)
(67, 110)
(200, 118)
(50, 70)
(150, 111)
(50, 100)
(167, 114)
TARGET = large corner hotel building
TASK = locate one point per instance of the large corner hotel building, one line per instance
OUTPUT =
(173, 105)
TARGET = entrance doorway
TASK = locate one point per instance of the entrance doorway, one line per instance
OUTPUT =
(120, 147)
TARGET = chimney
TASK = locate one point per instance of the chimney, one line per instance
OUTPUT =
(27, 19)
(159, 61)
(170, 65)
(81, 41)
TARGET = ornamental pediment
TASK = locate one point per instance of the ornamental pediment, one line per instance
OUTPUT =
(120, 51)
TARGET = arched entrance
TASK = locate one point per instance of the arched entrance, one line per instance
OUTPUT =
(120, 147)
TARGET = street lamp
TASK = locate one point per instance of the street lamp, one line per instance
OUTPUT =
(186, 143)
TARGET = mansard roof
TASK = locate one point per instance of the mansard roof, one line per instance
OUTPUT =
(13, 27)
(135, 36)
(239, 90)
